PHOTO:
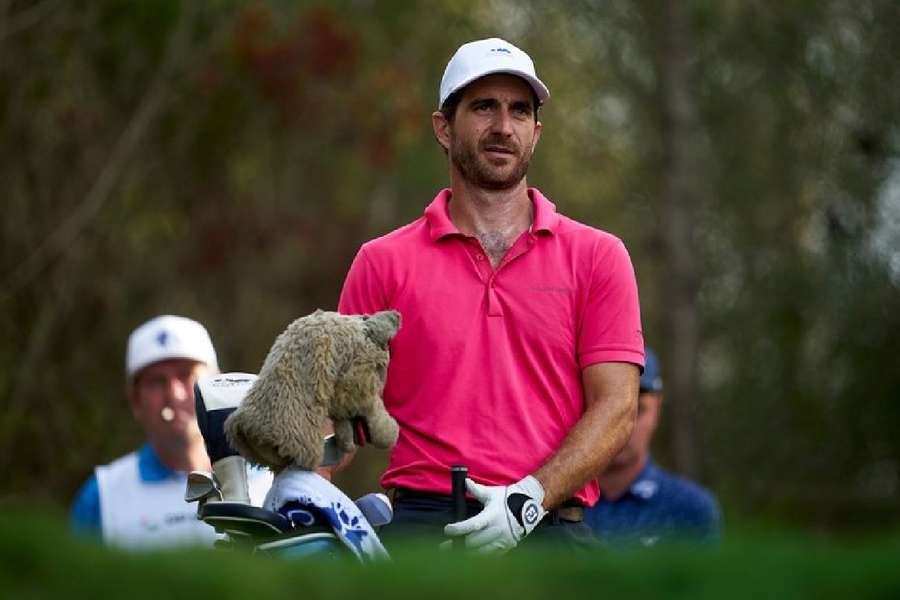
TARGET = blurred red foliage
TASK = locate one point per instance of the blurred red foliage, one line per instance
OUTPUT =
(317, 46)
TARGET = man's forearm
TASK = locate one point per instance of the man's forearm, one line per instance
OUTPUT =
(611, 391)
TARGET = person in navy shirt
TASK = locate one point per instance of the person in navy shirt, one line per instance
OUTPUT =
(641, 502)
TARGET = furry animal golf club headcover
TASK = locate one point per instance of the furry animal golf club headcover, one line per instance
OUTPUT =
(323, 366)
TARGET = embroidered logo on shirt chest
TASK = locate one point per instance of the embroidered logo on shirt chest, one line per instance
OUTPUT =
(552, 289)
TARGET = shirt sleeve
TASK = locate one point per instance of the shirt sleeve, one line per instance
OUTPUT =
(84, 515)
(363, 291)
(610, 328)
(709, 519)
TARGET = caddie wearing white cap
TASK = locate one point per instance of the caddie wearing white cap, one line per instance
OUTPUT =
(137, 501)
(521, 347)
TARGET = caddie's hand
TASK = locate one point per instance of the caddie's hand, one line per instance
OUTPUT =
(509, 514)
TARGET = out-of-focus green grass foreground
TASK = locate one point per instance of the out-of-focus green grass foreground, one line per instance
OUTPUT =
(39, 559)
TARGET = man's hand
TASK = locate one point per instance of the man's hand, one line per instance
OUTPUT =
(509, 514)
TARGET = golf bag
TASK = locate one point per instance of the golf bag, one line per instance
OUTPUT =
(304, 515)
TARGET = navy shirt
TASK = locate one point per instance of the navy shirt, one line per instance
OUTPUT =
(657, 505)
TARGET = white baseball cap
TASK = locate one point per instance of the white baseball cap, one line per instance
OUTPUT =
(485, 57)
(165, 337)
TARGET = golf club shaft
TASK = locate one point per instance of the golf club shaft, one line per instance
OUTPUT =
(458, 475)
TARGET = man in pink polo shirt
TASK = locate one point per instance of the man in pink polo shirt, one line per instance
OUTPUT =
(520, 347)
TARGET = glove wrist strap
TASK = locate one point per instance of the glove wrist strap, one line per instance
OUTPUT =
(530, 486)
(525, 502)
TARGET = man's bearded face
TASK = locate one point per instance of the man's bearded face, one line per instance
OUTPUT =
(473, 159)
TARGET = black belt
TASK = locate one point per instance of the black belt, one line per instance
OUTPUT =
(570, 510)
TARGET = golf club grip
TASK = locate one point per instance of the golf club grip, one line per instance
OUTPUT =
(458, 475)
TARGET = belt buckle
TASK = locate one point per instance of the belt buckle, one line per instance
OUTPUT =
(573, 514)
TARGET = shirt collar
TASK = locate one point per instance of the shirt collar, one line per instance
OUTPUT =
(646, 484)
(438, 215)
(150, 467)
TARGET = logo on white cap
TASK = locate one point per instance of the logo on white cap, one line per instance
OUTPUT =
(485, 57)
(166, 337)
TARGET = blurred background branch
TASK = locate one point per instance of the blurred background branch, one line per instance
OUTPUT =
(19, 20)
(151, 101)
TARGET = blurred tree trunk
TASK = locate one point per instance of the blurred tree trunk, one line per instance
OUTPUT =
(679, 197)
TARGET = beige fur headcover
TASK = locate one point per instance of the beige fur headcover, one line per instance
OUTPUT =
(323, 366)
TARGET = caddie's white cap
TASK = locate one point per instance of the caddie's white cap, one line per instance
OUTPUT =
(166, 337)
(485, 57)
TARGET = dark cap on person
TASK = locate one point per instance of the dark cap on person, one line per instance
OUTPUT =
(651, 379)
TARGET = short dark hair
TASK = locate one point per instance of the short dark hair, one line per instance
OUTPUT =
(448, 108)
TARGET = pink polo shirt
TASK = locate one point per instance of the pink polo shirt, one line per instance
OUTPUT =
(486, 368)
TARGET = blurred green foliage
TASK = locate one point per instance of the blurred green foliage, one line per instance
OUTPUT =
(39, 562)
(224, 160)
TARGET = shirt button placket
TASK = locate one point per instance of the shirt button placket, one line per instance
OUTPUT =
(494, 309)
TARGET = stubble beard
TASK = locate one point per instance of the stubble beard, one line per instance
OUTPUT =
(464, 156)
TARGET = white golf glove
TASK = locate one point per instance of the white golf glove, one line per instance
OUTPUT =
(509, 514)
